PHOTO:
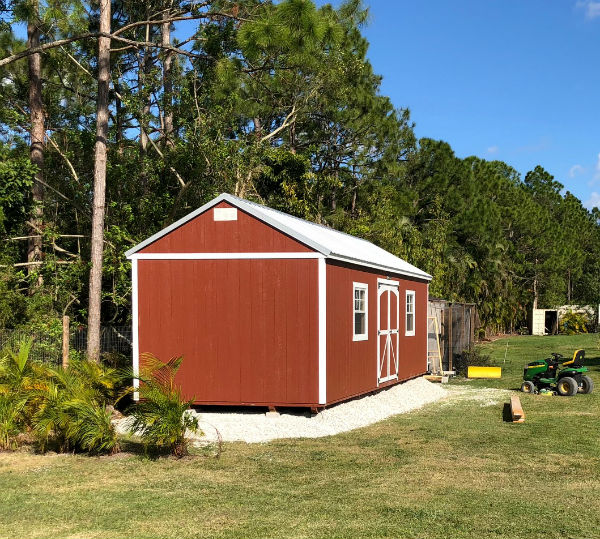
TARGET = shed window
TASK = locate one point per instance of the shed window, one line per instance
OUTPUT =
(410, 312)
(360, 315)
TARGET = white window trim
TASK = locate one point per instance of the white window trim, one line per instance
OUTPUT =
(406, 332)
(361, 336)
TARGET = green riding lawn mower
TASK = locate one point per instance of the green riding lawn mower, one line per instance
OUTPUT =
(555, 375)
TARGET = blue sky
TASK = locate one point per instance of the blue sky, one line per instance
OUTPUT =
(515, 80)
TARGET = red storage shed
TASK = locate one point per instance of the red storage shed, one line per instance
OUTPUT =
(272, 310)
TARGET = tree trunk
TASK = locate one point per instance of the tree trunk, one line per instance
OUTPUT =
(118, 119)
(293, 137)
(334, 191)
(93, 338)
(165, 29)
(36, 149)
(535, 291)
(257, 128)
(143, 72)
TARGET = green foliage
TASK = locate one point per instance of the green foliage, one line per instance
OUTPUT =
(21, 378)
(279, 105)
(11, 419)
(89, 426)
(572, 323)
(160, 417)
(16, 179)
(475, 355)
(67, 408)
(73, 408)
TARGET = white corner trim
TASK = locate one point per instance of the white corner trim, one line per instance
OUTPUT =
(322, 285)
(134, 329)
(414, 297)
(365, 336)
(221, 256)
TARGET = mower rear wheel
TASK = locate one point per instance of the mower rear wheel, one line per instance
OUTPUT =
(528, 387)
(587, 384)
(567, 386)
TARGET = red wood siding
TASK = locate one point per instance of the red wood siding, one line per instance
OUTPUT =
(248, 329)
(352, 365)
(245, 235)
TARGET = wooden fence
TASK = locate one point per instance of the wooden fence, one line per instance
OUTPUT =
(457, 324)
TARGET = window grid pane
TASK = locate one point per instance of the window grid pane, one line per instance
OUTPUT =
(360, 312)
(410, 313)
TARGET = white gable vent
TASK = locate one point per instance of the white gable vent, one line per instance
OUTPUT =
(225, 214)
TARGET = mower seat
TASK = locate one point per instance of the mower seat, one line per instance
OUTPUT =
(577, 361)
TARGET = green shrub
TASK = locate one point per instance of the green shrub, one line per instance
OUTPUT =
(11, 420)
(66, 408)
(573, 323)
(472, 356)
(72, 412)
(160, 417)
(21, 379)
(90, 428)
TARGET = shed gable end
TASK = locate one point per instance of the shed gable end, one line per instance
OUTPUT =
(225, 232)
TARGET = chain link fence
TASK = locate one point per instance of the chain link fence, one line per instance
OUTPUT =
(115, 343)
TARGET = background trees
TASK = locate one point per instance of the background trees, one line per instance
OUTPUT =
(276, 102)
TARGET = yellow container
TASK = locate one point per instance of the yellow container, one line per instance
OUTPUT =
(484, 372)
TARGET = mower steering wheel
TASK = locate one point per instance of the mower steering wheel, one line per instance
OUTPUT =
(556, 356)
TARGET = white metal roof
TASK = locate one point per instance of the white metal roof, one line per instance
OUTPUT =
(331, 243)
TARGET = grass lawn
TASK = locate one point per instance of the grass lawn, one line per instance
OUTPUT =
(452, 469)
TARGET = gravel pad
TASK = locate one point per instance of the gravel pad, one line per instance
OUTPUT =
(254, 426)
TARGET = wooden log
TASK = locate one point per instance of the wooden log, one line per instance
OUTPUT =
(516, 410)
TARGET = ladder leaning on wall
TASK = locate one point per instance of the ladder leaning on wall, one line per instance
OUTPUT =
(434, 355)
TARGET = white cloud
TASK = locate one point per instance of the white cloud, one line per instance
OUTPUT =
(592, 8)
(493, 149)
(593, 201)
(576, 169)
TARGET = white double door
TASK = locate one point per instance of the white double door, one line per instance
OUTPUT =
(388, 321)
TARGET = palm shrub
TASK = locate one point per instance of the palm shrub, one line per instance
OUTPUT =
(73, 410)
(67, 408)
(20, 381)
(160, 417)
(11, 420)
(21, 377)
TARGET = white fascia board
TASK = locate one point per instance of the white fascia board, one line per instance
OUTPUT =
(240, 204)
(423, 276)
(222, 256)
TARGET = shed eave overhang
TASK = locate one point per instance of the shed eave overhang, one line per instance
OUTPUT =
(415, 274)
